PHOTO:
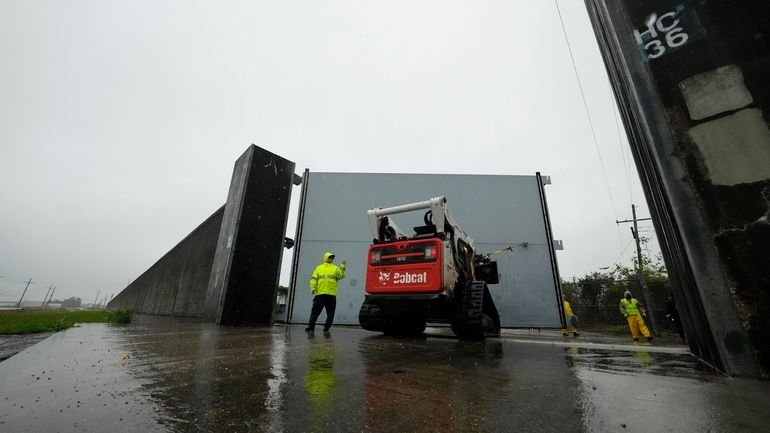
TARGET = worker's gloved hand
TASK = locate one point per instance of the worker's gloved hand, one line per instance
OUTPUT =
(344, 264)
(312, 291)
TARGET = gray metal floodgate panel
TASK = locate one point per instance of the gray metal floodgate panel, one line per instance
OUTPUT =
(496, 211)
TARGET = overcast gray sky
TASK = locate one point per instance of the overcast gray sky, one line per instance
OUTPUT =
(120, 121)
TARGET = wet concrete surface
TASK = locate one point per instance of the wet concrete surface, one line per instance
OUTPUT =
(167, 376)
(12, 344)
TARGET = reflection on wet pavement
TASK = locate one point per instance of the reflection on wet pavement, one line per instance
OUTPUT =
(189, 377)
(640, 361)
(320, 380)
(274, 401)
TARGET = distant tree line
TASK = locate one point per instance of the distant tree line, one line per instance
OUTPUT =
(595, 296)
(72, 302)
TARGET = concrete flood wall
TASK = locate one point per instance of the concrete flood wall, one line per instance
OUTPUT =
(691, 80)
(226, 270)
(246, 267)
(176, 284)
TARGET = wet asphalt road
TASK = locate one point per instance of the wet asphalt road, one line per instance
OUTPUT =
(12, 344)
(189, 377)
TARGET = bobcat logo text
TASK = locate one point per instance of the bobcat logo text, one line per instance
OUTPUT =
(403, 277)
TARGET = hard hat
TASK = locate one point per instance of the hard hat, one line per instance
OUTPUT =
(627, 293)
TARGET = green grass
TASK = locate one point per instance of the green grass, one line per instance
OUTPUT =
(31, 320)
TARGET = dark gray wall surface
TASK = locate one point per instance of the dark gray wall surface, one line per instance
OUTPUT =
(691, 79)
(196, 273)
(244, 276)
(496, 211)
(176, 284)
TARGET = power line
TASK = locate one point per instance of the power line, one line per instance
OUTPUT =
(620, 143)
(14, 280)
(624, 250)
(585, 105)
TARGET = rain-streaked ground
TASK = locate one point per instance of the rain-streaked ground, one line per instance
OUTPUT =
(188, 377)
(15, 343)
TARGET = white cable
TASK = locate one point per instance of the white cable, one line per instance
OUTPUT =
(588, 114)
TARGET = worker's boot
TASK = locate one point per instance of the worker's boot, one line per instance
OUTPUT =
(649, 338)
(636, 339)
(576, 334)
(565, 334)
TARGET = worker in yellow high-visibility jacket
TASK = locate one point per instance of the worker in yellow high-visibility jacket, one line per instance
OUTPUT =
(633, 310)
(324, 286)
(571, 319)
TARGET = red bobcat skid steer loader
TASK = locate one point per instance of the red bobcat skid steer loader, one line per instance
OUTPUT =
(433, 275)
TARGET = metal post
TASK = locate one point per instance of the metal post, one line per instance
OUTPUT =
(93, 306)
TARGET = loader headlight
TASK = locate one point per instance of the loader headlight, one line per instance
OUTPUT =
(374, 256)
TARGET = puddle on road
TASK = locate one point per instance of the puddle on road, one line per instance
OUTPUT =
(203, 378)
(641, 362)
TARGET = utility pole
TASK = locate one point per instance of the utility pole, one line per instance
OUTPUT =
(97, 297)
(18, 304)
(51, 296)
(42, 305)
(639, 265)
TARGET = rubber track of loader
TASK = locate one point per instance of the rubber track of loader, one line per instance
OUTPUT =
(467, 323)
(370, 317)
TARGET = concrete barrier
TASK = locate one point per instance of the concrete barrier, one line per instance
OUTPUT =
(176, 284)
(227, 269)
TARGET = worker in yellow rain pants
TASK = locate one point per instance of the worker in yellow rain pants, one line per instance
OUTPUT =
(571, 319)
(633, 310)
